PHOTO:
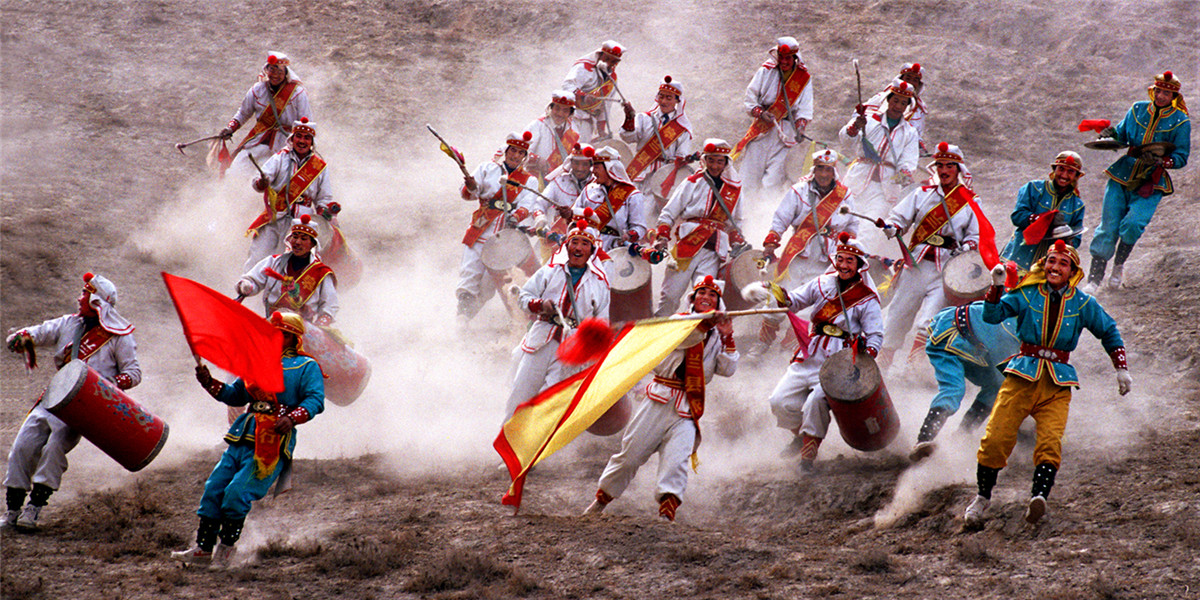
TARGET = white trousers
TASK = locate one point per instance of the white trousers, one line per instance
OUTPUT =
(764, 163)
(535, 371)
(655, 427)
(676, 283)
(918, 296)
(473, 276)
(798, 402)
(39, 453)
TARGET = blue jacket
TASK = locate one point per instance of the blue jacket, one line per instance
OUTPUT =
(1035, 198)
(1080, 311)
(303, 385)
(996, 343)
(1144, 123)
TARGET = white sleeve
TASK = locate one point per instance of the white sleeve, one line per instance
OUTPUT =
(912, 151)
(636, 213)
(903, 214)
(871, 320)
(753, 97)
(802, 107)
(534, 288)
(125, 353)
(257, 275)
(805, 296)
(675, 205)
(327, 299)
(46, 333)
(246, 110)
(786, 213)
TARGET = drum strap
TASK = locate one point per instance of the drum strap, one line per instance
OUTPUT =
(962, 322)
(75, 341)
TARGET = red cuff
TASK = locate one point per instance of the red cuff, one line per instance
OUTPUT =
(729, 343)
(535, 306)
(1118, 358)
(233, 124)
(993, 294)
(1168, 163)
(299, 415)
(772, 238)
(633, 235)
(123, 381)
(756, 112)
(664, 231)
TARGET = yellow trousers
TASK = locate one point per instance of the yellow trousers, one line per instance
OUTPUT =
(1045, 401)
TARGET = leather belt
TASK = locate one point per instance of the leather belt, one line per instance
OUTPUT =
(1045, 353)
(262, 407)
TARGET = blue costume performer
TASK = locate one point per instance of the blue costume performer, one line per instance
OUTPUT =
(261, 442)
(963, 347)
(1159, 137)
(1046, 210)
(1051, 314)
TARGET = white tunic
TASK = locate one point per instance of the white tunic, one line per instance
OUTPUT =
(546, 140)
(487, 179)
(764, 89)
(915, 115)
(631, 216)
(118, 355)
(963, 227)
(897, 150)
(324, 301)
(644, 127)
(279, 170)
(796, 207)
(550, 283)
(259, 98)
(694, 199)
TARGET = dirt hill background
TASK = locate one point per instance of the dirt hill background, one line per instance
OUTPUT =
(398, 494)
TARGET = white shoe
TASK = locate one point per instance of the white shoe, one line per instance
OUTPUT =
(921, 451)
(29, 517)
(1037, 508)
(10, 518)
(1091, 289)
(975, 510)
(594, 508)
(1114, 280)
(222, 557)
(193, 556)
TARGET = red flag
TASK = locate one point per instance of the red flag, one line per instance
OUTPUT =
(800, 328)
(987, 237)
(1037, 229)
(227, 334)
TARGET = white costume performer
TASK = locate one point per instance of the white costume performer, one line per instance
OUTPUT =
(302, 187)
(552, 139)
(812, 213)
(618, 205)
(309, 287)
(765, 145)
(918, 290)
(913, 74)
(592, 80)
(273, 126)
(887, 153)
(843, 310)
(705, 226)
(545, 295)
(500, 206)
(666, 422)
(103, 339)
(648, 132)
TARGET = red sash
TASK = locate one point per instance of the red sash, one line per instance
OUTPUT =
(806, 230)
(592, 99)
(693, 379)
(794, 85)
(301, 180)
(616, 197)
(705, 227)
(91, 341)
(268, 117)
(651, 150)
(484, 215)
(570, 138)
(933, 220)
(858, 293)
(307, 283)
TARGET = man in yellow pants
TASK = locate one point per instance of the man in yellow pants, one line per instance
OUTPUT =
(1051, 314)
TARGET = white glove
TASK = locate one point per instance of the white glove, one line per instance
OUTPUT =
(891, 231)
(245, 287)
(539, 222)
(999, 274)
(756, 293)
(1124, 381)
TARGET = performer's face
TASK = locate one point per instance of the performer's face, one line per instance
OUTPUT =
(275, 74)
(911, 79)
(1065, 177)
(1058, 269)
(559, 112)
(947, 173)
(302, 142)
(514, 156)
(666, 102)
(846, 265)
(85, 307)
(610, 61)
(896, 105)
(706, 300)
(579, 250)
(715, 165)
(1163, 98)
(581, 169)
(300, 243)
(823, 174)
(787, 62)
(601, 173)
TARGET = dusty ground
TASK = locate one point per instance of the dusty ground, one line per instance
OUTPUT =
(95, 93)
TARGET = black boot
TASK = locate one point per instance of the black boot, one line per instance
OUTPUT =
(40, 495)
(231, 530)
(1043, 480)
(985, 480)
(1096, 273)
(1118, 272)
(206, 533)
(974, 417)
(933, 424)
(15, 498)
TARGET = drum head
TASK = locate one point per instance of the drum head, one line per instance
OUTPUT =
(627, 273)
(1104, 144)
(850, 378)
(1159, 149)
(965, 275)
(506, 250)
(652, 186)
(744, 270)
(64, 385)
(620, 146)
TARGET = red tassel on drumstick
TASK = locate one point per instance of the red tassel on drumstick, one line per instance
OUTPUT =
(588, 342)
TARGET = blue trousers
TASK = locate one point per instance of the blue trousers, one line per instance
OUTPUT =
(1125, 216)
(232, 486)
(953, 372)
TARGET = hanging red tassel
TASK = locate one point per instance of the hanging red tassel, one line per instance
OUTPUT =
(1037, 229)
(1096, 125)
(588, 342)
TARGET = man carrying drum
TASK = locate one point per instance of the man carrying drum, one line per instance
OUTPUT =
(615, 201)
(779, 99)
(563, 188)
(943, 223)
(668, 420)
(665, 126)
(845, 311)
(501, 189)
(294, 182)
(295, 281)
(1047, 209)
(1139, 179)
(553, 135)
(913, 75)
(279, 100)
(1051, 314)
(569, 288)
(99, 336)
(810, 208)
(260, 445)
(593, 81)
(706, 216)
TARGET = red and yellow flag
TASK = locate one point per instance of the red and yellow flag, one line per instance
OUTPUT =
(550, 420)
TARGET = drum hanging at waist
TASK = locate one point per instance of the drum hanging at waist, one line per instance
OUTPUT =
(347, 371)
(965, 278)
(507, 249)
(859, 400)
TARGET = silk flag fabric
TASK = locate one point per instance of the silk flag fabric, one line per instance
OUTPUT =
(232, 337)
(555, 417)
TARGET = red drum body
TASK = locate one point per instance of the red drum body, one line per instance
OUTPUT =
(103, 414)
(747, 268)
(614, 419)
(965, 278)
(630, 305)
(347, 266)
(859, 400)
(347, 372)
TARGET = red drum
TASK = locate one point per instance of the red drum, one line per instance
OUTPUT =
(747, 268)
(103, 414)
(859, 400)
(347, 266)
(965, 278)
(630, 305)
(347, 372)
(614, 419)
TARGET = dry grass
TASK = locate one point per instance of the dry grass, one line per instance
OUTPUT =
(875, 560)
(280, 547)
(473, 572)
(365, 556)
